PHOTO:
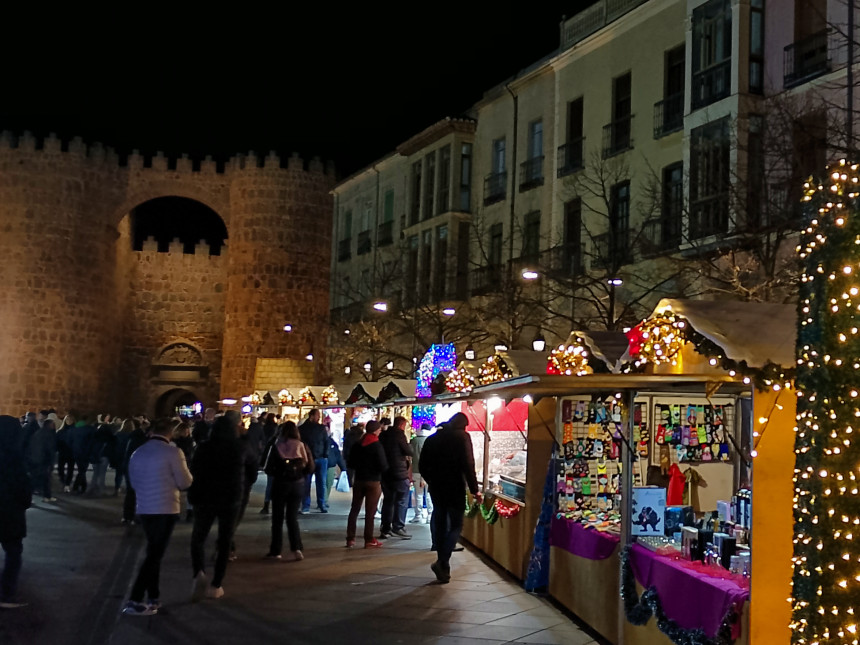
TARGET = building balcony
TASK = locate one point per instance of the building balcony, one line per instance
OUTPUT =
(495, 187)
(709, 216)
(385, 234)
(531, 173)
(563, 261)
(570, 157)
(617, 137)
(711, 84)
(487, 279)
(364, 244)
(660, 235)
(806, 59)
(344, 249)
(669, 115)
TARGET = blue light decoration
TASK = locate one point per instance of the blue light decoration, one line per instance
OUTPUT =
(439, 358)
(423, 414)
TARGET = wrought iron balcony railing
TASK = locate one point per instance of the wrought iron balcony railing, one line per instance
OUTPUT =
(669, 115)
(570, 157)
(806, 59)
(495, 187)
(711, 84)
(617, 136)
(531, 173)
(344, 249)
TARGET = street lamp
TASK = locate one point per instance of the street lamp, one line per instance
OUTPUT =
(530, 274)
(347, 369)
(380, 306)
(449, 311)
(368, 365)
(612, 282)
(309, 357)
(539, 343)
(389, 365)
(500, 346)
(469, 354)
(288, 328)
(615, 282)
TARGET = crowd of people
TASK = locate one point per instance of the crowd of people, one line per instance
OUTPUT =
(213, 461)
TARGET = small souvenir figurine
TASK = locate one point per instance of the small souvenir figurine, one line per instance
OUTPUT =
(598, 448)
(580, 447)
(665, 459)
(601, 415)
(579, 412)
(602, 481)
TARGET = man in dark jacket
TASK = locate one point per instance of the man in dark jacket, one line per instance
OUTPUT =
(41, 454)
(368, 460)
(315, 437)
(201, 429)
(15, 499)
(351, 438)
(82, 439)
(219, 483)
(448, 465)
(250, 468)
(270, 434)
(395, 482)
(335, 461)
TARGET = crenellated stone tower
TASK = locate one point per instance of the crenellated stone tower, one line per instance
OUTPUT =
(89, 324)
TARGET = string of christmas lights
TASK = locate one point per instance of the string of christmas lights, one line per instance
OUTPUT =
(330, 396)
(570, 360)
(285, 398)
(439, 358)
(494, 370)
(460, 380)
(306, 396)
(825, 597)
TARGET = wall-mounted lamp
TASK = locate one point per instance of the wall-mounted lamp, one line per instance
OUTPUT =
(539, 343)
(469, 354)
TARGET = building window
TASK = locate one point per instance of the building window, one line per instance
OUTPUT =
(425, 266)
(466, 177)
(669, 113)
(757, 46)
(571, 252)
(712, 52)
(440, 272)
(385, 233)
(495, 252)
(808, 56)
(672, 207)
(344, 246)
(809, 140)
(442, 205)
(531, 237)
(619, 221)
(570, 153)
(531, 170)
(617, 134)
(495, 184)
(461, 283)
(411, 271)
(415, 196)
(709, 179)
(429, 187)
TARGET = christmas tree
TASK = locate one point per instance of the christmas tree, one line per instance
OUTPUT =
(826, 579)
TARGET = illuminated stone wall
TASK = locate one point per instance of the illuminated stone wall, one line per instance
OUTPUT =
(87, 324)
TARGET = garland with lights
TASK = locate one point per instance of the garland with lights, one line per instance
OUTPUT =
(460, 380)
(255, 399)
(639, 609)
(306, 396)
(330, 396)
(769, 376)
(490, 515)
(826, 562)
(494, 370)
(570, 360)
(506, 511)
(438, 359)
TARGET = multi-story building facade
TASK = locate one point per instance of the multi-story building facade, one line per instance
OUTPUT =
(659, 151)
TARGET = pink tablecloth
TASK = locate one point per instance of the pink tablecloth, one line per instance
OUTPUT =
(692, 599)
(574, 538)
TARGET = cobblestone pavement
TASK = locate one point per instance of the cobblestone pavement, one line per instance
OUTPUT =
(79, 562)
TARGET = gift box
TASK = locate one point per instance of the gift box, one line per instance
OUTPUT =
(677, 517)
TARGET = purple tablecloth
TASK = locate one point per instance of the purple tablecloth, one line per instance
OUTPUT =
(586, 543)
(692, 599)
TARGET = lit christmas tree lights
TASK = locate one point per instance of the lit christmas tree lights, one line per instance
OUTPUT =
(439, 358)
(460, 380)
(285, 398)
(570, 360)
(826, 581)
(330, 396)
(495, 369)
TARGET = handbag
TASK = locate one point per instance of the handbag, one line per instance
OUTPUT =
(277, 466)
(343, 482)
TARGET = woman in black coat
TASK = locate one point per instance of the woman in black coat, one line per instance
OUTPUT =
(15, 499)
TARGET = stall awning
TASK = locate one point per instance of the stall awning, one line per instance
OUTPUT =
(754, 332)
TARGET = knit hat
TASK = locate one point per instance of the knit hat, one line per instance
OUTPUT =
(53, 417)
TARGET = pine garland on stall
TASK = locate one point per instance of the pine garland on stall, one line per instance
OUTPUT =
(826, 579)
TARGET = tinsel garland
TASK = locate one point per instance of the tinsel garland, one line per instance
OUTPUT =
(490, 515)
(639, 609)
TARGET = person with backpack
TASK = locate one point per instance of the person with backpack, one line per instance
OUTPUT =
(286, 465)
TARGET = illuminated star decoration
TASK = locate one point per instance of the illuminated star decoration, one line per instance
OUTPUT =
(460, 380)
(570, 360)
(495, 369)
(825, 599)
(330, 396)
(439, 358)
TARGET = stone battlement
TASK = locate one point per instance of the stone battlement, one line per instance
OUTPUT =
(26, 142)
(177, 248)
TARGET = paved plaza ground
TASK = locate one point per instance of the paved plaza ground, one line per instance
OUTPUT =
(79, 562)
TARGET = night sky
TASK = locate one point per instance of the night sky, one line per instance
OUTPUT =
(345, 84)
